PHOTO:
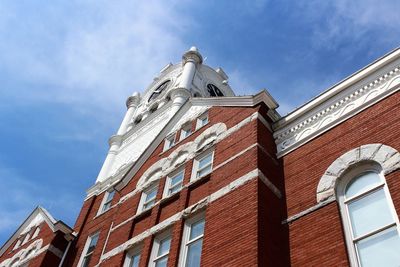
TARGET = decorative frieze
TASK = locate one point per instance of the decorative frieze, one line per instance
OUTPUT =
(334, 110)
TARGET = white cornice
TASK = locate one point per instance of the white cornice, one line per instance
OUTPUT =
(344, 100)
(240, 101)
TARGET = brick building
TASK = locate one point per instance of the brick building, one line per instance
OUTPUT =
(196, 176)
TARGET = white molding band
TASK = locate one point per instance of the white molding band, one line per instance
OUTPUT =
(333, 111)
(387, 157)
(200, 205)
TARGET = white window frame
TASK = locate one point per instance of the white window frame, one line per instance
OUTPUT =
(196, 162)
(105, 202)
(168, 186)
(84, 253)
(156, 245)
(170, 141)
(340, 192)
(136, 251)
(200, 120)
(186, 131)
(186, 235)
(143, 197)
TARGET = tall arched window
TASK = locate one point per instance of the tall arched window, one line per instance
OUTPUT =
(369, 217)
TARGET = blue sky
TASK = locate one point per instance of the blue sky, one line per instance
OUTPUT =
(67, 66)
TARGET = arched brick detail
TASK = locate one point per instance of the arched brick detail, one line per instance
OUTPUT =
(386, 156)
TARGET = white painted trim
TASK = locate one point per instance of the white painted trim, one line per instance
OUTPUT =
(156, 246)
(136, 251)
(186, 235)
(332, 109)
(193, 209)
(342, 85)
(168, 181)
(86, 247)
(196, 162)
(143, 197)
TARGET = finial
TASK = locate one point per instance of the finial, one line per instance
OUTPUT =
(193, 55)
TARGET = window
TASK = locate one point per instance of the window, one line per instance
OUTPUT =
(133, 258)
(173, 183)
(202, 120)
(169, 142)
(88, 250)
(148, 198)
(160, 250)
(192, 241)
(370, 220)
(107, 200)
(186, 131)
(202, 166)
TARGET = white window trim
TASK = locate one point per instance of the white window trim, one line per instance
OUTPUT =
(340, 191)
(196, 162)
(137, 250)
(143, 202)
(104, 202)
(168, 182)
(169, 141)
(86, 247)
(200, 119)
(186, 131)
(156, 245)
(186, 235)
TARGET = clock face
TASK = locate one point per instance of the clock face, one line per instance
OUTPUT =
(214, 90)
(156, 93)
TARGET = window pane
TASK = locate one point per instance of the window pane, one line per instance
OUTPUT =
(164, 246)
(135, 261)
(204, 171)
(381, 249)
(204, 161)
(162, 262)
(194, 254)
(151, 194)
(149, 204)
(361, 184)
(197, 229)
(177, 179)
(369, 213)
(110, 196)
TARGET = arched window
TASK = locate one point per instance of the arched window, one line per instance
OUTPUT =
(369, 218)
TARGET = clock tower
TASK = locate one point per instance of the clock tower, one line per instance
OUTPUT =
(147, 114)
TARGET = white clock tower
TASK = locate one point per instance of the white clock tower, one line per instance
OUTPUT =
(148, 114)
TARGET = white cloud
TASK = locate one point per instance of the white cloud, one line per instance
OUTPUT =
(96, 58)
(338, 20)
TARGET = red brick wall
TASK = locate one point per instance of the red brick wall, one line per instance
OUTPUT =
(318, 237)
(231, 222)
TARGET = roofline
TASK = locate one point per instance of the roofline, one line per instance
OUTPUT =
(53, 224)
(339, 87)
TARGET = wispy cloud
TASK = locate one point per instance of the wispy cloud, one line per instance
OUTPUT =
(342, 21)
(91, 62)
